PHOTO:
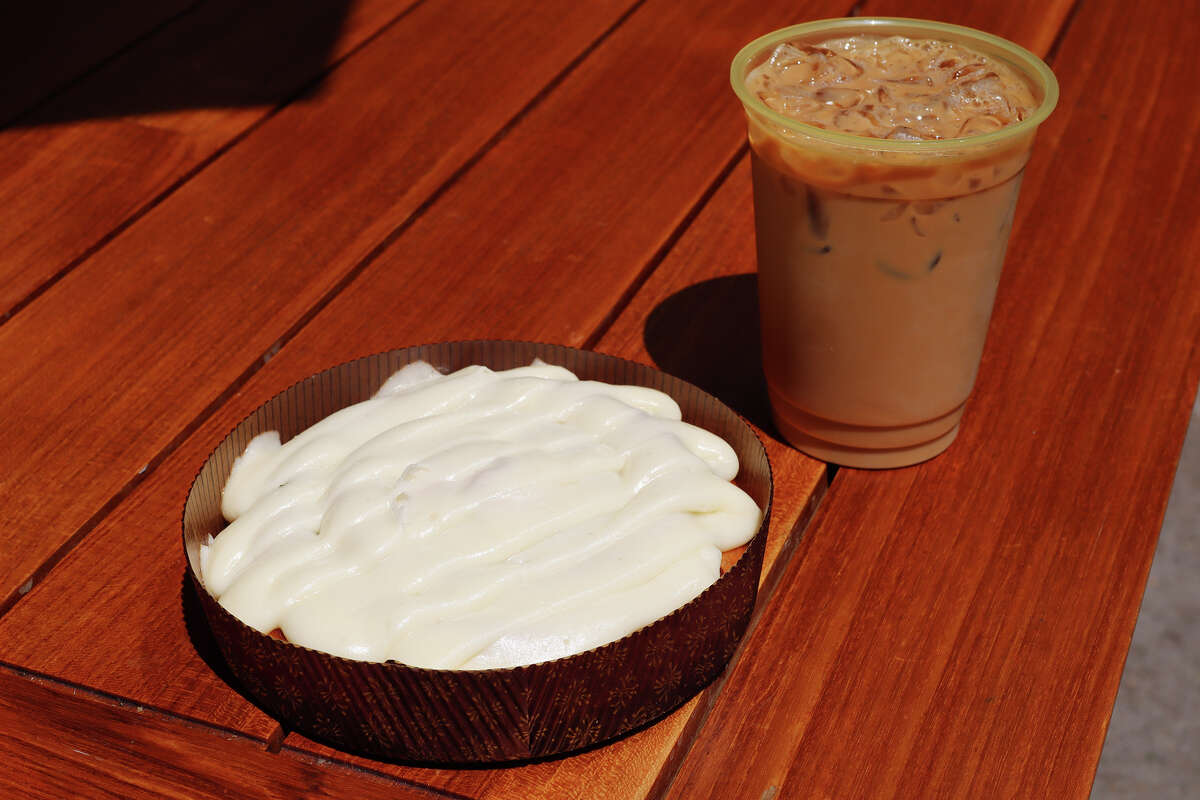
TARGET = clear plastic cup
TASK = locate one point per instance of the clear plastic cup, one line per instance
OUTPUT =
(878, 260)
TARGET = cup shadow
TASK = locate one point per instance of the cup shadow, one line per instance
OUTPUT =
(707, 334)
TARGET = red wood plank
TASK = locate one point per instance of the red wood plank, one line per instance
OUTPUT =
(150, 116)
(61, 40)
(958, 629)
(1033, 24)
(131, 347)
(58, 742)
(521, 244)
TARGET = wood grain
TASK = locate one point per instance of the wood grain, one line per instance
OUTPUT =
(127, 350)
(57, 742)
(958, 629)
(103, 151)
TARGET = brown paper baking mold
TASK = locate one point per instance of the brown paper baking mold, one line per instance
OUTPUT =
(393, 711)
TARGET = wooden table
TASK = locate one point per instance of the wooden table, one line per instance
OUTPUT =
(207, 201)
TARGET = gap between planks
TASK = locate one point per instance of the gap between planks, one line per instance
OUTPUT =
(272, 743)
(661, 253)
(1064, 27)
(189, 724)
(683, 745)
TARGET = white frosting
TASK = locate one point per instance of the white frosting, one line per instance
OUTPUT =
(479, 519)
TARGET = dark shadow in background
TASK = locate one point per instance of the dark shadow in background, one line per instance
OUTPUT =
(707, 334)
(68, 60)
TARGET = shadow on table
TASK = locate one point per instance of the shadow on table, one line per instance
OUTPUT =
(202, 638)
(707, 334)
(73, 60)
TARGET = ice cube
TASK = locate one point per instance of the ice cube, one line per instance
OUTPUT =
(786, 55)
(791, 99)
(829, 67)
(854, 121)
(839, 96)
(976, 126)
(966, 72)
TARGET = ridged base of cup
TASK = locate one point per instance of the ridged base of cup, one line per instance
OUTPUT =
(866, 446)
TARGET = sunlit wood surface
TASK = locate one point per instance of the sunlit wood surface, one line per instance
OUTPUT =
(207, 201)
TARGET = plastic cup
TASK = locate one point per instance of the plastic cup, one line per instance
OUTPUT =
(878, 260)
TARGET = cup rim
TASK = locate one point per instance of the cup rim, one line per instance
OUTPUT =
(1022, 59)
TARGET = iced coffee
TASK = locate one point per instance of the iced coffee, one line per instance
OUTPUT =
(887, 156)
